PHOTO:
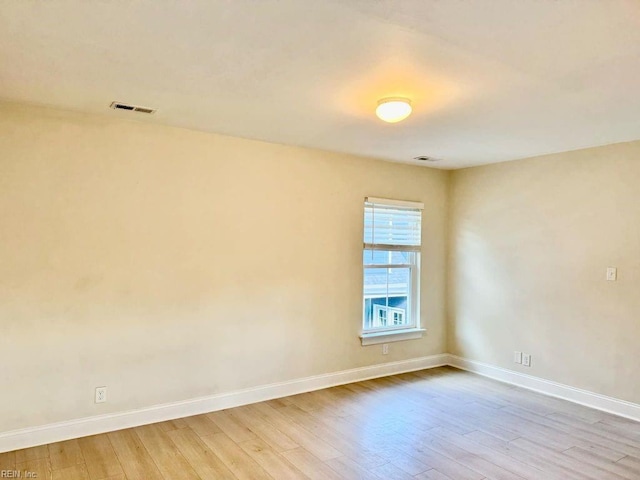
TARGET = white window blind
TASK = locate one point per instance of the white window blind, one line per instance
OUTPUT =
(392, 224)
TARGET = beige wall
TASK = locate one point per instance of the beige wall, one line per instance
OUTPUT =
(169, 264)
(530, 242)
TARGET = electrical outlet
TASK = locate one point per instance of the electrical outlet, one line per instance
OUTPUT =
(385, 348)
(526, 359)
(517, 357)
(101, 394)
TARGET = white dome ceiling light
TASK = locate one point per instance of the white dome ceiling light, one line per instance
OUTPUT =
(394, 109)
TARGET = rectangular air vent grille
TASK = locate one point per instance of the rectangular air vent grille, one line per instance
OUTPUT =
(132, 108)
(424, 158)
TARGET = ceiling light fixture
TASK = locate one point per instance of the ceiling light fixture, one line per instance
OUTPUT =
(394, 109)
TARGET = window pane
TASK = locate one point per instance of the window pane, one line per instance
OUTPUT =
(383, 257)
(386, 297)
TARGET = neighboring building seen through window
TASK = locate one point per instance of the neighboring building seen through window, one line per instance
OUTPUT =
(391, 261)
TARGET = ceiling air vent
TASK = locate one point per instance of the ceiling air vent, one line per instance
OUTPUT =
(132, 108)
(424, 158)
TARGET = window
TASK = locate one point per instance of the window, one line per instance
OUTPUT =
(391, 262)
(383, 312)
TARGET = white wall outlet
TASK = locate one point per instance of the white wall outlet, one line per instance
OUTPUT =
(526, 359)
(612, 274)
(517, 357)
(101, 394)
(385, 348)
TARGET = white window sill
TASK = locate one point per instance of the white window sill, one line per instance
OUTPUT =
(374, 338)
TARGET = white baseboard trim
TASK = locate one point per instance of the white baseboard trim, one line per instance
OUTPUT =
(612, 405)
(82, 427)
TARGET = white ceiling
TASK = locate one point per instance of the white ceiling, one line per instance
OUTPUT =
(490, 80)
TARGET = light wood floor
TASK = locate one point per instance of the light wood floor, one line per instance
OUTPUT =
(434, 424)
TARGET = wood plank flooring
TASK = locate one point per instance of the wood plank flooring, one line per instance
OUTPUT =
(438, 424)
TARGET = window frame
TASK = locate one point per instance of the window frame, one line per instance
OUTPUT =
(413, 297)
(392, 332)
